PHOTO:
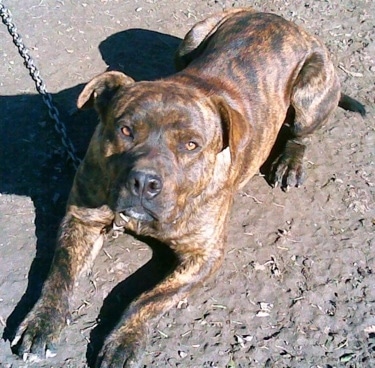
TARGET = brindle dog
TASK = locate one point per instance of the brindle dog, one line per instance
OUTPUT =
(168, 156)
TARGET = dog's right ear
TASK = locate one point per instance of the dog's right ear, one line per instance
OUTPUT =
(99, 91)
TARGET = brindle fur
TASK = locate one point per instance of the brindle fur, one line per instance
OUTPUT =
(241, 74)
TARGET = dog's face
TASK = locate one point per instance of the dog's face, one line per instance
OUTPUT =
(160, 144)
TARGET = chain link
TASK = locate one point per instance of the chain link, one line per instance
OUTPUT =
(60, 127)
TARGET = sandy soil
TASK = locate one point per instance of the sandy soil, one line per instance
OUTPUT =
(297, 288)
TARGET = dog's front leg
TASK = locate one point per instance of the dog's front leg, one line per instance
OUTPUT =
(80, 238)
(125, 346)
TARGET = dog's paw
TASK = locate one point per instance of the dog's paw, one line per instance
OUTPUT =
(36, 337)
(287, 170)
(121, 353)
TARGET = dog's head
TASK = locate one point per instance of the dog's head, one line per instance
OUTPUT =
(163, 144)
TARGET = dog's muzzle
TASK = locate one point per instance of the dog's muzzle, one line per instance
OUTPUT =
(143, 187)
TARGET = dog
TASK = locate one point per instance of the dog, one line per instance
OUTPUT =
(168, 156)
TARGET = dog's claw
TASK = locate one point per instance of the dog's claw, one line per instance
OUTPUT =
(123, 349)
(50, 353)
(287, 170)
(30, 358)
(15, 341)
(36, 336)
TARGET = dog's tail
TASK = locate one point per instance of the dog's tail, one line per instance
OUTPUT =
(348, 103)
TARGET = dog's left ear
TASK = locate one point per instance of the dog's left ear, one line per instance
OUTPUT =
(236, 129)
(99, 91)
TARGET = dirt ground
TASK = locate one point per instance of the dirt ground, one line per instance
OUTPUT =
(297, 288)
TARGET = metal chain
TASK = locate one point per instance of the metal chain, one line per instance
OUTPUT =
(60, 127)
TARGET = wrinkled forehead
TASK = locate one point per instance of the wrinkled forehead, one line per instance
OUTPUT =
(162, 105)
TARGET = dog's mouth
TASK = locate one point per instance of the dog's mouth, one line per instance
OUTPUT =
(136, 213)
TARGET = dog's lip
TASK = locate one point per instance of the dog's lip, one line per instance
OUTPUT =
(137, 213)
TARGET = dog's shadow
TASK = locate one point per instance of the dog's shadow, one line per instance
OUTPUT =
(33, 164)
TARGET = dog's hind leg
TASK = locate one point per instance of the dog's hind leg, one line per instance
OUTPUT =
(195, 40)
(315, 95)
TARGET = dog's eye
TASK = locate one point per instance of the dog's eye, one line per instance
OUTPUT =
(191, 146)
(126, 131)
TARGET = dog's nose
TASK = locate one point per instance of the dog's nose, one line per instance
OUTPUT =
(145, 185)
